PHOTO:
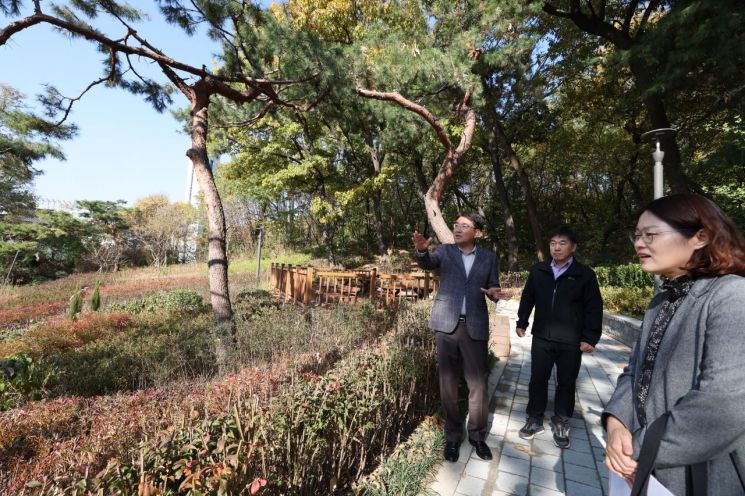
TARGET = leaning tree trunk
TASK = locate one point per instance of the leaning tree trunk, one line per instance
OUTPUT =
(504, 200)
(377, 202)
(453, 155)
(452, 160)
(217, 259)
(524, 184)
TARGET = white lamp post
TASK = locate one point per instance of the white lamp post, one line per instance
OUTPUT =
(658, 173)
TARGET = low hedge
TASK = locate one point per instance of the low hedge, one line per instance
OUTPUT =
(182, 301)
(624, 276)
(627, 301)
(314, 435)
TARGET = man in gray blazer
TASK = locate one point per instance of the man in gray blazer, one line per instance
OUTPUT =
(460, 320)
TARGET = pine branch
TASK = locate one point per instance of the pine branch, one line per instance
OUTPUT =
(413, 107)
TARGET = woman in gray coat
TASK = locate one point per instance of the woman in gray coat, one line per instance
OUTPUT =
(686, 373)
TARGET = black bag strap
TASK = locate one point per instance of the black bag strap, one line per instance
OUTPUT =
(699, 479)
(651, 444)
(647, 455)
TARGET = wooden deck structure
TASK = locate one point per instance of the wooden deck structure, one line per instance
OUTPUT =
(310, 286)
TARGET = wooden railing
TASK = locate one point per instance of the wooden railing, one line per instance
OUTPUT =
(310, 286)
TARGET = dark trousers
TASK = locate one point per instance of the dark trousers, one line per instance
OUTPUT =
(458, 353)
(544, 355)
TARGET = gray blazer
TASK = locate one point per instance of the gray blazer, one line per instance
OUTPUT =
(699, 378)
(454, 286)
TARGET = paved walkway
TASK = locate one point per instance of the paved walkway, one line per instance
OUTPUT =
(537, 467)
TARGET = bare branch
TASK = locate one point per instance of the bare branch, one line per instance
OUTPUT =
(73, 100)
(20, 25)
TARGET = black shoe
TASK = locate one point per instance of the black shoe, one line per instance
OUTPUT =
(560, 428)
(452, 451)
(482, 450)
(531, 428)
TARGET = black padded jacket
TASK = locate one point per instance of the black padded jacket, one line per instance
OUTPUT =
(568, 309)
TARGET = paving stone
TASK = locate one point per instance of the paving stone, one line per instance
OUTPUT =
(470, 485)
(599, 454)
(583, 475)
(578, 458)
(517, 450)
(548, 462)
(577, 423)
(547, 478)
(577, 489)
(507, 474)
(478, 468)
(578, 432)
(542, 491)
(546, 445)
(512, 484)
(513, 436)
(494, 442)
(514, 465)
(581, 445)
(443, 488)
(519, 407)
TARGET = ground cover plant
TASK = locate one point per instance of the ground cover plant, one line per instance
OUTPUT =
(285, 426)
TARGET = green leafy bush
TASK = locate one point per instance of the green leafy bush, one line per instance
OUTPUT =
(628, 301)
(407, 470)
(254, 302)
(152, 352)
(23, 378)
(182, 301)
(310, 336)
(624, 276)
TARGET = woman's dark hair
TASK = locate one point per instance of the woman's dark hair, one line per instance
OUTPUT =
(478, 221)
(564, 231)
(688, 214)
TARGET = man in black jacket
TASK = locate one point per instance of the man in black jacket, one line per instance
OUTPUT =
(567, 322)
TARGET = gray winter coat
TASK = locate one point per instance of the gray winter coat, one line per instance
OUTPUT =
(699, 377)
(454, 285)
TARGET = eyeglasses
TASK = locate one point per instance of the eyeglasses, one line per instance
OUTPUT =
(462, 227)
(646, 237)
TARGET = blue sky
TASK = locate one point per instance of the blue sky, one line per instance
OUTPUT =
(124, 149)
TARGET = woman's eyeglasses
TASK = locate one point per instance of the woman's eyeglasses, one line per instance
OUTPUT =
(646, 237)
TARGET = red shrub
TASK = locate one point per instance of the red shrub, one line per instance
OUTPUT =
(23, 314)
(60, 333)
(70, 437)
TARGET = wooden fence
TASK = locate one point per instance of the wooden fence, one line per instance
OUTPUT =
(310, 286)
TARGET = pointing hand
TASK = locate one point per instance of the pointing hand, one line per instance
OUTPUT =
(420, 243)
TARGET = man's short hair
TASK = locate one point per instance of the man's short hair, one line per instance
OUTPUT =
(564, 231)
(478, 221)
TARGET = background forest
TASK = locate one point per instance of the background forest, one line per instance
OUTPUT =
(369, 118)
(330, 130)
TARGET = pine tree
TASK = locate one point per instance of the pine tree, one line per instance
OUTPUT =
(95, 300)
(75, 305)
